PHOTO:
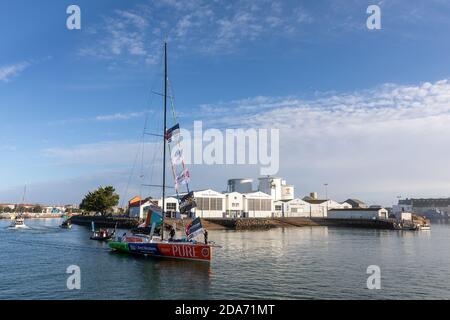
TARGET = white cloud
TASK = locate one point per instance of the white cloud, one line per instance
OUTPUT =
(10, 71)
(195, 25)
(373, 144)
(120, 116)
(101, 153)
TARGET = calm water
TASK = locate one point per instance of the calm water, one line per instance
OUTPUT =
(293, 263)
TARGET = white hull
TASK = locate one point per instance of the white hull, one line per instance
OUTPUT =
(20, 226)
(18, 223)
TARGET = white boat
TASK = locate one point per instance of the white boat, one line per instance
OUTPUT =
(425, 227)
(18, 222)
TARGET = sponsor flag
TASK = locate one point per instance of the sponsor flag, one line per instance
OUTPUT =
(154, 215)
(177, 156)
(182, 178)
(187, 202)
(194, 228)
(172, 131)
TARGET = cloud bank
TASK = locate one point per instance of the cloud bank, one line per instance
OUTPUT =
(373, 144)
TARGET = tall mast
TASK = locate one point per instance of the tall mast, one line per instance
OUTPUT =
(164, 138)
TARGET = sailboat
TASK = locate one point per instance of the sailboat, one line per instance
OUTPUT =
(17, 220)
(102, 234)
(155, 243)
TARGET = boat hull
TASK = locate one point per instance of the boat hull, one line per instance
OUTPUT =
(178, 250)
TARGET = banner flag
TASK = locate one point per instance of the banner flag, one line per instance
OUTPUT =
(154, 215)
(194, 228)
(172, 131)
(187, 202)
(182, 178)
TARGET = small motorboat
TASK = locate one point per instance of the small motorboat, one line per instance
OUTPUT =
(66, 224)
(102, 234)
(425, 227)
(18, 223)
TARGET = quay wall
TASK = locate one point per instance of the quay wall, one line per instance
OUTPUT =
(105, 222)
(239, 223)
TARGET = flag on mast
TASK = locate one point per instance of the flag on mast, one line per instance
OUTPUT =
(194, 228)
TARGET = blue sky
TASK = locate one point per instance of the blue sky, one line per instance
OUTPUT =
(367, 108)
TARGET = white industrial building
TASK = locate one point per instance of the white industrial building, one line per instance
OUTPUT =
(276, 187)
(210, 204)
(358, 213)
(406, 216)
(139, 208)
(240, 185)
(399, 208)
(273, 198)
(234, 205)
(257, 205)
(292, 208)
(319, 207)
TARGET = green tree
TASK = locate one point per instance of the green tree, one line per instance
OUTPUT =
(37, 209)
(7, 210)
(101, 200)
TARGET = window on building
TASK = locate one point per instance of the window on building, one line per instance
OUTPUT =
(171, 206)
(266, 205)
(278, 207)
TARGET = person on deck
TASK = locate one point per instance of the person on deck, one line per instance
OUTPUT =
(172, 233)
(205, 233)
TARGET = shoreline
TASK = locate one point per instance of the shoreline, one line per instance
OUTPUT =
(239, 223)
(7, 216)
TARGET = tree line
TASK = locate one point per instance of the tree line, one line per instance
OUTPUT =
(103, 200)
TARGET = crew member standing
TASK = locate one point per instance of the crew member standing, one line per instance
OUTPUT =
(205, 233)
(172, 233)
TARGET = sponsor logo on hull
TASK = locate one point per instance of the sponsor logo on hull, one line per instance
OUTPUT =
(172, 250)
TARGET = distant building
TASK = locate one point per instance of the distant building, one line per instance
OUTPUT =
(276, 187)
(234, 205)
(398, 208)
(404, 216)
(257, 205)
(319, 207)
(292, 208)
(355, 203)
(210, 204)
(7, 205)
(358, 213)
(172, 207)
(429, 207)
(240, 185)
(137, 206)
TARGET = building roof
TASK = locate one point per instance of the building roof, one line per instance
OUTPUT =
(257, 194)
(140, 202)
(313, 201)
(356, 201)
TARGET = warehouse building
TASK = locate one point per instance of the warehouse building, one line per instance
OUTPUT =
(358, 213)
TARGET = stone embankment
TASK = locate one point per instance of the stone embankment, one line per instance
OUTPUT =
(239, 223)
(105, 222)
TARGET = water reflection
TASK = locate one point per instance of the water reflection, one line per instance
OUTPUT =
(291, 263)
